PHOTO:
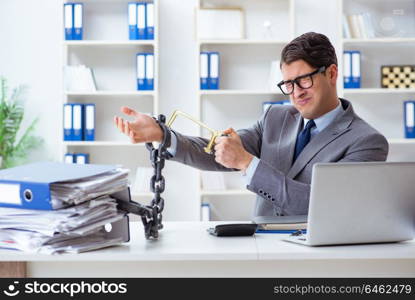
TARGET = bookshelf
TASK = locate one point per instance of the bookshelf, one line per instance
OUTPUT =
(244, 84)
(382, 108)
(112, 56)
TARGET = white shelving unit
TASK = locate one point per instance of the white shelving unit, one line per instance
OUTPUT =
(382, 108)
(112, 56)
(244, 85)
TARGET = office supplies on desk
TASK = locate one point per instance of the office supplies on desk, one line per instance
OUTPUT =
(238, 229)
(49, 185)
(285, 223)
(357, 203)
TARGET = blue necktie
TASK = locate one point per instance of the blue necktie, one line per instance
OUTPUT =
(303, 138)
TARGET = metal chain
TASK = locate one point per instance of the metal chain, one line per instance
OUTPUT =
(157, 184)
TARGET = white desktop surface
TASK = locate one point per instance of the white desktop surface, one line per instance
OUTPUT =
(185, 249)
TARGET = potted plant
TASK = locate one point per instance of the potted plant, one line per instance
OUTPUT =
(14, 145)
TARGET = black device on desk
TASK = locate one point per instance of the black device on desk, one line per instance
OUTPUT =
(246, 229)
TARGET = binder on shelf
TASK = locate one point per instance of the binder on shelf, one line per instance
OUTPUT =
(132, 21)
(149, 21)
(267, 104)
(77, 123)
(149, 77)
(205, 214)
(204, 70)
(68, 20)
(89, 125)
(347, 70)
(141, 21)
(141, 71)
(81, 158)
(214, 64)
(409, 119)
(69, 158)
(67, 122)
(356, 74)
(78, 21)
(31, 186)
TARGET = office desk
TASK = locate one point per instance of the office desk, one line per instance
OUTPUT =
(185, 249)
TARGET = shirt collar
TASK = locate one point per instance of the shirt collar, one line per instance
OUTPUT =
(323, 121)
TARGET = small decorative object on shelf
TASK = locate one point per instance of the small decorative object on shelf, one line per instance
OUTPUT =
(398, 77)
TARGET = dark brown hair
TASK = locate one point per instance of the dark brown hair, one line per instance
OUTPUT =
(314, 48)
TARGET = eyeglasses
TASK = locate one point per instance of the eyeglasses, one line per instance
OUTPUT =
(304, 81)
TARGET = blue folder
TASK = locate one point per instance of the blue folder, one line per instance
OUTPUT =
(132, 21)
(28, 186)
(141, 21)
(68, 20)
(409, 119)
(89, 122)
(150, 21)
(78, 21)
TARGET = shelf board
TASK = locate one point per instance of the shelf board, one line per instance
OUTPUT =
(109, 43)
(101, 143)
(401, 141)
(225, 192)
(378, 91)
(242, 42)
(111, 93)
(238, 92)
(378, 40)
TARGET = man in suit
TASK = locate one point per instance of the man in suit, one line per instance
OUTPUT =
(276, 155)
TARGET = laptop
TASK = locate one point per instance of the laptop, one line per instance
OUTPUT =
(357, 203)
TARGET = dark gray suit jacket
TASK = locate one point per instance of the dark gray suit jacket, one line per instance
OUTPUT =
(283, 187)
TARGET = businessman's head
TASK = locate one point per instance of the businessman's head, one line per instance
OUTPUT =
(309, 70)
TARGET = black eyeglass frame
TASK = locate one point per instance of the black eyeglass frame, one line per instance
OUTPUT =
(297, 80)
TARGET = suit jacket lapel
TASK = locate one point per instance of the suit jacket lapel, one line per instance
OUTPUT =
(287, 138)
(338, 127)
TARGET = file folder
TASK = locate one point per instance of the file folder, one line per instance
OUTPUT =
(68, 20)
(150, 21)
(67, 122)
(356, 74)
(204, 70)
(409, 119)
(213, 80)
(77, 123)
(28, 186)
(141, 21)
(347, 70)
(149, 77)
(69, 158)
(78, 21)
(205, 212)
(141, 71)
(81, 158)
(132, 21)
(89, 132)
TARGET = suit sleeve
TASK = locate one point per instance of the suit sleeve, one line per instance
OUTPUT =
(189, 149)
(291, 197)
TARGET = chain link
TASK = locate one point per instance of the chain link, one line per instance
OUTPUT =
(157, 184)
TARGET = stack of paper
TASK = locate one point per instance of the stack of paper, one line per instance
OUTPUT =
(75, 229)
(67, 210)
